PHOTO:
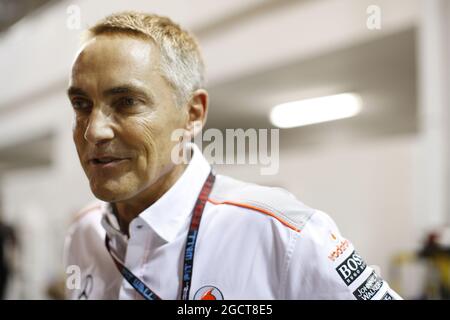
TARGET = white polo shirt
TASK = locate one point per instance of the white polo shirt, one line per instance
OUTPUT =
(254, 242)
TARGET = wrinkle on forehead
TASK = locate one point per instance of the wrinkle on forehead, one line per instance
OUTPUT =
(108, 61)
(117, 56)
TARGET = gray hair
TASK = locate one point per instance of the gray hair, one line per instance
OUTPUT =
(181, 61)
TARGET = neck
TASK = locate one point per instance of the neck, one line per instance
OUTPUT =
(129, 209)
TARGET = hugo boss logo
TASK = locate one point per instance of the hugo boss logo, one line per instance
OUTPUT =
(351, 268)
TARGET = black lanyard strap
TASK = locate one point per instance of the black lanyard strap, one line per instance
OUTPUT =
(188, 266)
(134, 281)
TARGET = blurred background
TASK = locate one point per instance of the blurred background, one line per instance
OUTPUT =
(383, 175)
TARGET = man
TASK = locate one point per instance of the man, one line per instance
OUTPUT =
(165, 229)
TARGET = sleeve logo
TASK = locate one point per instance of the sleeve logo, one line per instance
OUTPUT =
(351, 268)
(387, 296)
(369, 288)
(339, 250)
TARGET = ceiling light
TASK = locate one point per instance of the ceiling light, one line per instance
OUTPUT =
(316, 110)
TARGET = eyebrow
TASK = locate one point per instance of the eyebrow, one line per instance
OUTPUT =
(129, 88)
(72, 91)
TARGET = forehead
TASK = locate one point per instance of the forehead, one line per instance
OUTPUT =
(106, 59)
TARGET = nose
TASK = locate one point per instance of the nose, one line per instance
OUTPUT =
(99, 128)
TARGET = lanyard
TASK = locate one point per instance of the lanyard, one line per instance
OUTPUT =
(139, 285)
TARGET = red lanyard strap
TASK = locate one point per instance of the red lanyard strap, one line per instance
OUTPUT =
(192, 235)
(189, 251)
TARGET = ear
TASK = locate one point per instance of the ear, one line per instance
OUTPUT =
(197, 109)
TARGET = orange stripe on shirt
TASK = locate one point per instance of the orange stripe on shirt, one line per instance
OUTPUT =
(247, 206)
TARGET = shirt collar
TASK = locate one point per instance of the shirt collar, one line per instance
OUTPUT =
(169, 213)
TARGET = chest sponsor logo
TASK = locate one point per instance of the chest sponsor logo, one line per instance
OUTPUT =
(369, 288)
(208, 293)
(351, 268)
(339, 250)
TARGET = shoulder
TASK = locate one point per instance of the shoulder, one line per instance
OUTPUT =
(89, 212)
(87, 219)
(275, 211)
(85, 231)
(84, 248)
(262, 202)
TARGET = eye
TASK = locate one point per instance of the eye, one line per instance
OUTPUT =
(81, 104)
(126, 102)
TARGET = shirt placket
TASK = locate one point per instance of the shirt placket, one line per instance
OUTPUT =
(137, 253)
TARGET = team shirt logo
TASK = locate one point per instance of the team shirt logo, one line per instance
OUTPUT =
(351, 268)
(87, 290)
(369, 288)
(208, 293)
(339, 250)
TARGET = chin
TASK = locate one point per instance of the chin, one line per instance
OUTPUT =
(106, 195)
(109, 193)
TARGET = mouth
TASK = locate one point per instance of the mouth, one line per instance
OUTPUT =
(107, 162)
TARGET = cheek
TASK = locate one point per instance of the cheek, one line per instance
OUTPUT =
(150, 135)
(143, 133)
(148, 131)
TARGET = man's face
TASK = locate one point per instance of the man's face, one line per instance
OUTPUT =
(125, 113)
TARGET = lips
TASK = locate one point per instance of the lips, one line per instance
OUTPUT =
(106, 161)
